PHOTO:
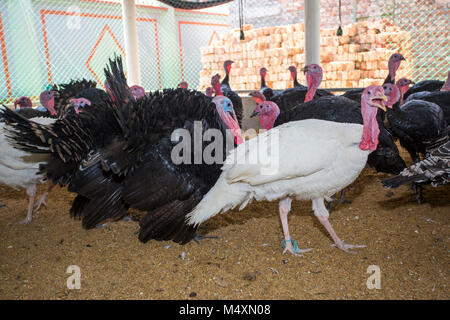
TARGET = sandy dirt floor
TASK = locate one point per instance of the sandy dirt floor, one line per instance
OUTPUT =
(409, 242)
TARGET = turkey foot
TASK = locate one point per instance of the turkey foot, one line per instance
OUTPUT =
(291, 246)
(27, 220)
(419, 192)
(322, 214)
(42, 199)
(199, 237)
(41, 202)
(338, 242)
(32, 197)
(346, 247)
(288, 244)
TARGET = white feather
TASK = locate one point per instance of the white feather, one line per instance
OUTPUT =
(316, 158)
(18, 168)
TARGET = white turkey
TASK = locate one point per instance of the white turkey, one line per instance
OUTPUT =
(307, 159)
(19, 168)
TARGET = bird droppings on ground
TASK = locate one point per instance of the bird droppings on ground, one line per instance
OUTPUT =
(245, 262)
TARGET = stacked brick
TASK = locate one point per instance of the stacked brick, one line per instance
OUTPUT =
(358, 58)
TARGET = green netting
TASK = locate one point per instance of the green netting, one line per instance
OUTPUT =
(428, 23)
(54, 41)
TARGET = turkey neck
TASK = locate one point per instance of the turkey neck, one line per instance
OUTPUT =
(216, 88)
(388, 79)
(392, 66)
(403, 90)
(267, 121)
(446, 85)
(369, 140)
(294, 76)
(311, 91)
(395, 107)
(263, 81)
(227, 77)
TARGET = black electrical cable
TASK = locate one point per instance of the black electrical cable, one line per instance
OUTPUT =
(241, 18)
(339, 30)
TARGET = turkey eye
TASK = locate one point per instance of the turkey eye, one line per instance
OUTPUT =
(369, 92)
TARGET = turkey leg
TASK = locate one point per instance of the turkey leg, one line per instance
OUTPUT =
(322, 214)
(32, 194)
(289, 244)
(42, 199)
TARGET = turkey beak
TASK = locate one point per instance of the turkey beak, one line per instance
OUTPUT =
(305, 69)
(382, 97)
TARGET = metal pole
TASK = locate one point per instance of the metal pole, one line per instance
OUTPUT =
(170, 60)
(393, 12)
(312, 31)
(131, 41)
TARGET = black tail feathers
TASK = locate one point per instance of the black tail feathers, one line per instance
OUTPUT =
(398, 181)
(168, 222)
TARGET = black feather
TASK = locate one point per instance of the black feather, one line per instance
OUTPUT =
(434, 169)
(116, 154)
(441, 98)
(419, 125)
(425, 85)
(292, 97)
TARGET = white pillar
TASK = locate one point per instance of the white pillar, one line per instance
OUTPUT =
(131, 42)
(312, 31)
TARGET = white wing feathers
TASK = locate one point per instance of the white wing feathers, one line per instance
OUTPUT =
(313, 157)
(19, 168)
(295, 149)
